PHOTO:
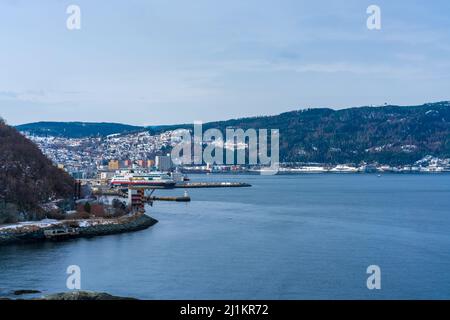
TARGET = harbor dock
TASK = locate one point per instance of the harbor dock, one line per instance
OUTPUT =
(186, 185)
(176, 199)
(123, 193)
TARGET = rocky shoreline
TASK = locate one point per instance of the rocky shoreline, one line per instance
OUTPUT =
(73, 296)
(86, 228)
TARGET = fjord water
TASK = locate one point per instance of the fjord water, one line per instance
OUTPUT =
(287, 237)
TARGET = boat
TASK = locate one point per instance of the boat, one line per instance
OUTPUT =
(152, 179)
(344, 169)
(304, 169)
(179, 177)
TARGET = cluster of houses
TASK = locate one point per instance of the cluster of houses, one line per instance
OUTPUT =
(88, 157)
(85, 157)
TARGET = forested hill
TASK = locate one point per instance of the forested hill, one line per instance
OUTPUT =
(27, 177)
(388, 134)
(76, 129)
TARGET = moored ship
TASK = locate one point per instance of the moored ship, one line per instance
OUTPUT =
(142, 179)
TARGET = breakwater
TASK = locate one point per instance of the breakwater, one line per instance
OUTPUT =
(85, 228)
(212, 185)
(176, 199)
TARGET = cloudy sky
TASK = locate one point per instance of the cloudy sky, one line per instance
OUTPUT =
(172, 61)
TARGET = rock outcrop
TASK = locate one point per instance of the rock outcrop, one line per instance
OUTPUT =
(73, 295)
(83, 295)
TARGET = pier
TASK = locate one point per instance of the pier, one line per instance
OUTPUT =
(120, 193)
(176, 199)
(186, 185)
(104, 191)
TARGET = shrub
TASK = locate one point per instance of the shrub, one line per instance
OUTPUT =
(8, 213)
(98, 210)
(87, 207)
(79, 215)
(56, 214)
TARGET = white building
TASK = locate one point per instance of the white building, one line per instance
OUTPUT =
(163, 163)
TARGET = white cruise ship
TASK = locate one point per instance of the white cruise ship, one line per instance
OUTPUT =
(135, 178)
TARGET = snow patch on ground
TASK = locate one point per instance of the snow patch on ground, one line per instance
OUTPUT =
(41, 224)
(94, 222)
(22, 226)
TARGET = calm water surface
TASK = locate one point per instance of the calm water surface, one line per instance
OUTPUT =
(287, 237)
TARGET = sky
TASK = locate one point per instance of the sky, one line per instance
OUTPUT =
(152, 62)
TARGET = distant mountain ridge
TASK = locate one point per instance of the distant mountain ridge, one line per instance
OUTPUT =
(77, 129)
(387, 134)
